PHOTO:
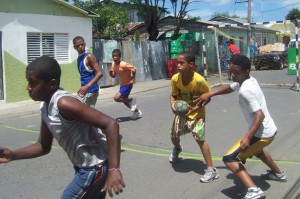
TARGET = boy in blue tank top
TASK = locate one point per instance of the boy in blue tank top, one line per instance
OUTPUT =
(90, 73)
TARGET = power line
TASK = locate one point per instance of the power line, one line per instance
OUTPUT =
(282, 7)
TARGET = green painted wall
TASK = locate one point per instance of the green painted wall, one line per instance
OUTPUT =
(16, 82)
(45, 7)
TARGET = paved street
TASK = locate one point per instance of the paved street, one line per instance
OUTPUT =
(146, 147)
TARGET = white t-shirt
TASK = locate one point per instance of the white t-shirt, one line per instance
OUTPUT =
(252, 99)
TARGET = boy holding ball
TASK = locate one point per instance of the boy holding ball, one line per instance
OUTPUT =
(186, 85)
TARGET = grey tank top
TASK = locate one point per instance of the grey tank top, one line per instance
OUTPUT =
(85, 145)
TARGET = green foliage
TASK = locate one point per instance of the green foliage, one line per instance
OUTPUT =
(193, 19)
(150, 11)
(112, 20)
(180, 12)
(293, 14)
(136, 36)
(224, 14)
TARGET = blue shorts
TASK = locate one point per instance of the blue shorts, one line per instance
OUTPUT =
(87, 183)
(125, 90)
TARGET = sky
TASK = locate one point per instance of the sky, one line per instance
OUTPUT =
(261, 10)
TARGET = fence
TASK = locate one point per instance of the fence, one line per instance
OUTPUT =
(150, 58)
(248, 37)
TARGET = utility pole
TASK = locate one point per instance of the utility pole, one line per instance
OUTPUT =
(249, 28)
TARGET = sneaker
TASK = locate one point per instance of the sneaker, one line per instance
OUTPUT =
(174, 155)
(136, 114)
(133, 104)
(254, 193)
(270, 175)
(210, 175)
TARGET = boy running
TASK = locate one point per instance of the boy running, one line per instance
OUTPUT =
(95, 154)
(126, 73)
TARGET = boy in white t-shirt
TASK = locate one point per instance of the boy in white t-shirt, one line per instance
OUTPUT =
(262, 129)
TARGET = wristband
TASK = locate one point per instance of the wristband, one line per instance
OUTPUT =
(114, 169)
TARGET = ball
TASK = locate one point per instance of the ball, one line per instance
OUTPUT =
(181, 107)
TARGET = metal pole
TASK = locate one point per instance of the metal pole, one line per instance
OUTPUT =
(249, 28)
(218, 57)
(204, 54)
(297, 57)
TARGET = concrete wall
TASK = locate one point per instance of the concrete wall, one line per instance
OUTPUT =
(14, 29)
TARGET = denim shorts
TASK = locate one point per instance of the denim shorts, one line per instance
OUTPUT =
(87, 183)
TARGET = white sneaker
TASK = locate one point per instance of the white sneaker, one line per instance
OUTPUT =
(136, 114)
(174, 155)
(254, 193)
(210, 175)
(133, 104)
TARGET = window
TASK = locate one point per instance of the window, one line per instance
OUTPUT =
(54, 45)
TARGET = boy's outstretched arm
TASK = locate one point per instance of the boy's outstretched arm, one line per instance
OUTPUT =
(41, 147)
(205, 98)
(72, 109)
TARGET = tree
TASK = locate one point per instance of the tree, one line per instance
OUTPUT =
(112, 20)
(150, 11)
(180, 14)
(293, 14)
(225, 14)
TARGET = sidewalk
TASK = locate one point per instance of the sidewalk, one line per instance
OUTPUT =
(32, 107)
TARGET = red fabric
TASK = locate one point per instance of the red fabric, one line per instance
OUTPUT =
(171, 67)
(234, 49)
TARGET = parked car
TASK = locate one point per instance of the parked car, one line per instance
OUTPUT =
(271, 56)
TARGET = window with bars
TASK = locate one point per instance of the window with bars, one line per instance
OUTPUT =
(54, 45)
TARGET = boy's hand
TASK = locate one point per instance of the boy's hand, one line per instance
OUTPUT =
(133, 73)
(82, 90)
(202, 100)
(112, 73)
(173, 108)
(192, 110)
(114, 182)
(5, 155)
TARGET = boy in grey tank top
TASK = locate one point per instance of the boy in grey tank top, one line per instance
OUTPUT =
(77, 127)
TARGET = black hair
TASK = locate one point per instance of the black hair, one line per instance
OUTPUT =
(77, 38)
(242, 61)
(229, 41)
(188, 56)
(117, 51)
(46, 68)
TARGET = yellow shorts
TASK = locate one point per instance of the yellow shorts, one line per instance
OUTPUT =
(256, 147)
